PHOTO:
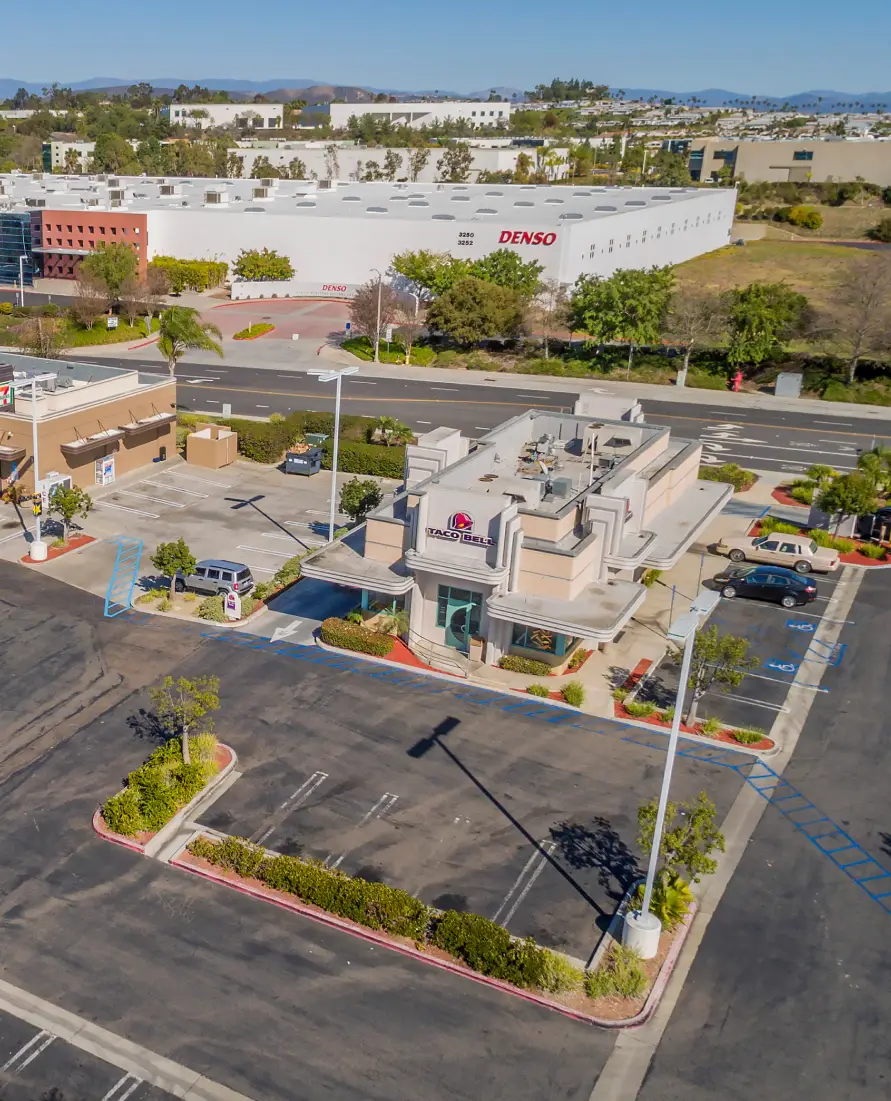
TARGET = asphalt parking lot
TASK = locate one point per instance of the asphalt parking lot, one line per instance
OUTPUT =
(526, 822)
(38, 1066)
(783, 642)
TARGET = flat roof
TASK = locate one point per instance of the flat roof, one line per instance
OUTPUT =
(523, 204)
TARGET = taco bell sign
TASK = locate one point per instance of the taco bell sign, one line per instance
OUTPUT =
(460, 530)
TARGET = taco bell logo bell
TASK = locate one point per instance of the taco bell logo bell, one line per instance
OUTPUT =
(460, 530)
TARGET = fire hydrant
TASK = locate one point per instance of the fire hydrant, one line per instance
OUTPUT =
(736, 382)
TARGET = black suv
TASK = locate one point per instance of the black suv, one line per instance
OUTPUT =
(217, 575)
(768, 583)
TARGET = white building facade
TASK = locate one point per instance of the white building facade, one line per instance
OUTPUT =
(206, 116)
(417, 115)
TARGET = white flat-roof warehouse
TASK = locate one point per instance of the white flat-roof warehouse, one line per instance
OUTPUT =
(337, 233)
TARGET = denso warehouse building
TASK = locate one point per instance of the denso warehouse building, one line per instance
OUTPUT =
(337, 233)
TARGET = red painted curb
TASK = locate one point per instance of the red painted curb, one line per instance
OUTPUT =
(255, 336)
(144, 344)
(115, 838)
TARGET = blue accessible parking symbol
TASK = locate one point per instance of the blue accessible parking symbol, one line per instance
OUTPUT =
(797, 625)
(782, 666)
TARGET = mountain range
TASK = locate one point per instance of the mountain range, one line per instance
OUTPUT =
(315, 91)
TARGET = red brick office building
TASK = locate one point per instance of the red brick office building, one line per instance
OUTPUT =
(62, 238)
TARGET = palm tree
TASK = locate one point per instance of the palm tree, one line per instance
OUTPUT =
(392, 431)
(182, 330)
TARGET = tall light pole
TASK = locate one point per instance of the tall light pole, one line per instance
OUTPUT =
(377, 331)
(643, 929)
(335, 377)
(22, 280)
(37, 551)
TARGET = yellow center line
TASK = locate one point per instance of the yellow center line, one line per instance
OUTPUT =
(317, 393)
(775, 427)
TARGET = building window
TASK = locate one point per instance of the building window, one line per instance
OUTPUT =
(114, 231)
(538, 638)
(136, 230)
(643, 237)
(124, 231)
(611, 241)
(628, 241)
(803, 155)
(90, 228)
(92, 244)
(446, 596)
(80, 229)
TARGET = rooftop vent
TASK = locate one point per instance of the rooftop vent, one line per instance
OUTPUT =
(306, 203)
(560, 201)
(376, 210)
(487, 210)
(460, 198)
(573, 216)
(418, 202)
(351, 199)
(445, 217)
(495, 193)
(604, 208)
(523, 202)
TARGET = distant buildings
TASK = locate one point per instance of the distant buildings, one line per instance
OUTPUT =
(417, 115)
(792, 161)
(206, 116)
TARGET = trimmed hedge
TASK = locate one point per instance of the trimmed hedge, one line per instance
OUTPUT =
(196, 275)
(350, 636)
(365, 458)
(731, 473)
(157, 789)
(253, 331)
(481, 944)
(517, 664)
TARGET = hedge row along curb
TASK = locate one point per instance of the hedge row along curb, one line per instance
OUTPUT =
(254, 332)
(180, 860)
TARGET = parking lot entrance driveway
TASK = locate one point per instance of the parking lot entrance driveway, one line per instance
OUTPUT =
(783, 642)
(526, 821)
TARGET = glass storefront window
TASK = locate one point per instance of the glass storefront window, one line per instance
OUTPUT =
(538, 638)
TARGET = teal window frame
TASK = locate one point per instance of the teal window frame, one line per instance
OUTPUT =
(521, 637)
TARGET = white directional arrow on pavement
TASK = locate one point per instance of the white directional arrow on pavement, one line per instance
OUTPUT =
(283, 632)
(732, 436)
(714, 446)
(721, 427)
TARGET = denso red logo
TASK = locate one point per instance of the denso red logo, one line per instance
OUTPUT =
(333, 286)
(523, 237)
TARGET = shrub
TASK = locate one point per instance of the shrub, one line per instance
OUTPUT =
(189, 597)
(165, 604)
(881, 231)
(249, 604)
(195, 275)
(488, 948)
(747, 736)
(262, 441)
(288, 573)
(538, 690)
(670, 901)
(573, 693)
(770, 525)
(843, 546)
(824, 538)
(514, 663)
(252, 331)
(578, 659)
(211, 608)
(559, 976)
(264, 590)
(711, 727)
(872, 550)
(349, 636)
(650, 578)
(5, 307)
(808, 217)
(668, 714)
(620, 975)
(640, 709)
(146, 598)
(699, 380)
(621, 694)
(356, 457)
(731, 473)
(821, 537)
(802, 491)
(121, 813)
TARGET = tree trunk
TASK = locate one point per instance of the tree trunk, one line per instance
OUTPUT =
(682, 374)
(187, 758)
(852, 369)
(691, 711)
(547, 350)
(172, 587)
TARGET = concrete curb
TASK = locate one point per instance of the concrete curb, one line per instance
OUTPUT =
(143, 344)
(169, 829)
(334, 922)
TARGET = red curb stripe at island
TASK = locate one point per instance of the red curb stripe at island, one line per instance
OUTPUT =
(115, 838)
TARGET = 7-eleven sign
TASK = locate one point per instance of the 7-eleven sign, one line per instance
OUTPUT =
(6, 394)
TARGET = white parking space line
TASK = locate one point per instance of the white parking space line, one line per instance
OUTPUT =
(440, 850)
(446, 389)
(481, 427)
(380, 808)
(28, 1052)
(114, 1094)
(177, 489)
(205, 378)
(523, 884)
(212, 401)
(425, 422)
(840, 424)
(204, 481)
(780, 680)
(297, 798)
(727, 416)
(749, 699)
(260, 569)
(283, 538)
(275, 553)
(148, 497)
(9, 538)
(262, 406)
(360, 382)
(124, 508)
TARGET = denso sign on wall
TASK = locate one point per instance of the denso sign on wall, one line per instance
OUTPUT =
(526, 237)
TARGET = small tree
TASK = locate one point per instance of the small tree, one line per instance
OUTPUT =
(392, 431)
(505, 268)
(170, 559)
(260, 265)
(364, 309)
(876, 465)
(183, 707)
(848, 495)
(417, 162)
(182, 330)
(68, 503)
(42, 336)
(358, 497)
(688, 842)
(90, 301)
(760, 318)
(720, 662)
(135, 299)
(410, 322)
(112, 264)
(392, 164)
(455, 163)
(551, 310)
(881, 231)
(431, 272)
(473, 310)
(695, 317)
(858, 322)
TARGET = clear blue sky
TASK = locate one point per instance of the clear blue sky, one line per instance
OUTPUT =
(683, 45)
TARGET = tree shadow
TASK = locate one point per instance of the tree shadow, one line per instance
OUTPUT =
(147, 727)
(618, 674)
(885, 838)
(598, 846)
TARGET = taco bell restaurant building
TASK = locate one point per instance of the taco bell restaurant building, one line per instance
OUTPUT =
(532, 541)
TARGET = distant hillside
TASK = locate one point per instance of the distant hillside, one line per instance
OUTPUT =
(815, 102)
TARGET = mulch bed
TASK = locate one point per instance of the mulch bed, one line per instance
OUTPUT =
(74, 543)
(781, 496)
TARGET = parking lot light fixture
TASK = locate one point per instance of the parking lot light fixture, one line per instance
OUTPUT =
(643, 929)
(335, 377)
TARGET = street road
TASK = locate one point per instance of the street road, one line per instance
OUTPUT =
(762, 439)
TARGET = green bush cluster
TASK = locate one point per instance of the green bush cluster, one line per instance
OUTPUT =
(619, 975)
(263, 441)
(515, 663)
(538, 690)
(193, 275)
(362, 348)
(748, 736)
(824, 538)
(481, 944)
(671, 899)
(156, 790)
(770, 525)
(350, 636)
(640, 709)
(357, 457)
(730, 473)
(77, 336)
(803, 491)
(711, 727)
(6, 307)
(872, 550)
(573, 693)
(211, 608)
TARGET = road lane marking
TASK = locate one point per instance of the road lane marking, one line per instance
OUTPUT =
(758, 424)
(444, 389)
(533, 868)
(22, 1058)
(294, 801)
(836, 424)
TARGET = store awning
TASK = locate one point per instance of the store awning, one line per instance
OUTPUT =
(85, 444)
(11, 454)
(599, 612)
(141, 427)
(342, 564)
(683, 521)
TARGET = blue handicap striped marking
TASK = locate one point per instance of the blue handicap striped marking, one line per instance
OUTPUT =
(827, 837)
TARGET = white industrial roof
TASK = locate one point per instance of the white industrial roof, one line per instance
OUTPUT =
(530, 204)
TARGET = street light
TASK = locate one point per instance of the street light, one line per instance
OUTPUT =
(377, 331)
(335, 377)
(37, 551)
(643, 929)
(22, 280)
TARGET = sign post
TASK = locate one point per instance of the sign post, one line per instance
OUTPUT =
(232, 605)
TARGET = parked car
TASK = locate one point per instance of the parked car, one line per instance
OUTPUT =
(783, 586)
(798, 552)
(217, 575)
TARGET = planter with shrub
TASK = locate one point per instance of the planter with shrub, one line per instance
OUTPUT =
(351, 636)
(514, 663)
(261, 328)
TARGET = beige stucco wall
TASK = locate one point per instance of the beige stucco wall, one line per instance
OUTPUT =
(672, 486)
(384, 542)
